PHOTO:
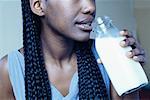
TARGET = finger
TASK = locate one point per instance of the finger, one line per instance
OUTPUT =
(129, 54)
(128, 42)
(99, 61)
(140, 58)
(123, 44)
(135, 52)
(125, 33)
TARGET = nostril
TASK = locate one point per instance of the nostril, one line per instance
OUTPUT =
(88, 7)
(89, 10)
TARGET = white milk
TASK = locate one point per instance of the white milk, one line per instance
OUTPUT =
(124, 73)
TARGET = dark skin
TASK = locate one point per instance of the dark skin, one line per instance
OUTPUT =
(60, 28)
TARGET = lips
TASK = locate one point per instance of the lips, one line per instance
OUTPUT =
(84, 27)
(84, 24)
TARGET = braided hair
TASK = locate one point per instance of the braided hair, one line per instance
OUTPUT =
(36, 77)
(37, 85)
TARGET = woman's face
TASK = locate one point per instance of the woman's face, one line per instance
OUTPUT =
(70, 18)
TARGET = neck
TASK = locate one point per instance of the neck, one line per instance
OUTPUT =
(56, 48)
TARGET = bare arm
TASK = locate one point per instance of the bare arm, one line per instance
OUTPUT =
(6, 92)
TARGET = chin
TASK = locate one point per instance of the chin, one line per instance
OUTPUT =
(83, 39)
(80, 36)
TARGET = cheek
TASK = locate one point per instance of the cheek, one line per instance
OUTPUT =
(63, 22)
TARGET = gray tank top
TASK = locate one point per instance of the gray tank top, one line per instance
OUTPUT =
(16, 71)
(16, 74)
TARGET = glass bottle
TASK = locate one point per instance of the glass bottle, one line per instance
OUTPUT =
(126, 75)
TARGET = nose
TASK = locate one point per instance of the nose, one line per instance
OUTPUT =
(88, 7)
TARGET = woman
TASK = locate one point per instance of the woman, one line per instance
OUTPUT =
(56, 61)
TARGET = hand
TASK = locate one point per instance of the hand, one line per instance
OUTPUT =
(137, 53)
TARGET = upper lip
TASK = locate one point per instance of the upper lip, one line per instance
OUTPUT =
(85, 20)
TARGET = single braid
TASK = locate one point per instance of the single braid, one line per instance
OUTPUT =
(91, 84)
(36, 77)
(37, 85)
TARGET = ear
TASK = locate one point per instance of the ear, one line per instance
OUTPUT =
(36, 7)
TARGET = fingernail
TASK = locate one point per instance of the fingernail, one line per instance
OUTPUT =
(129, 54)
(122, 32)
(123, 43)
(135, 58)
(99, 61)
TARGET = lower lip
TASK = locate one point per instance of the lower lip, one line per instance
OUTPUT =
(84, 27)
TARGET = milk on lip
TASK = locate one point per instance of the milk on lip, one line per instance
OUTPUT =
(125, 74)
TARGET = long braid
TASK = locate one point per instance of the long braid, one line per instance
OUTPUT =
(37, 85)
(91, 84)
(36, 78)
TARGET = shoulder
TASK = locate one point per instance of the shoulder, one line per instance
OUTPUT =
(3, 70)
(5, 84)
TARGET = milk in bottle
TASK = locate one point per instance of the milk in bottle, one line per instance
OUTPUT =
(125, 74)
